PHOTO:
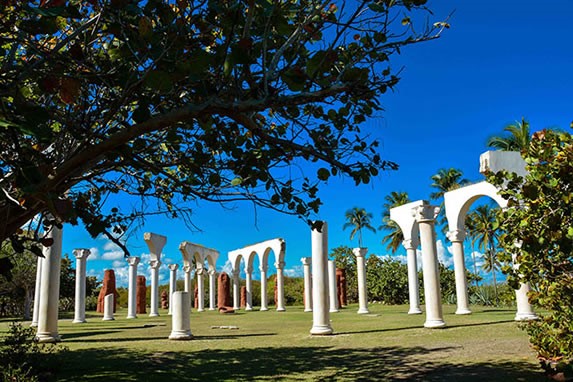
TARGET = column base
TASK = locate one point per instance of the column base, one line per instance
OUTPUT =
(308, 310)
(108, 319)
(434, 324)
(181, 335)
(281, 310)
(34, 325)
(363, 311)
(263, 309)
(153, 314)
(463, 311)
(78, 321)
(248, 308)
(234, 308)
(131, 316)
(45, 338)
(321, 330)
(333, 311)
(415, 311)
(526, 316)
(212, 309)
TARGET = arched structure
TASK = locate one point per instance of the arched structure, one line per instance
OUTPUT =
(248, 253)
(198, 254)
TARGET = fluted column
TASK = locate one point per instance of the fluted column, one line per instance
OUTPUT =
(81, 256)
(249, 288)
(457, 238)
(280, 287)
(425, 216)
(332, 290)
(37, 291)
(200, 290)
(132, 287)
(263, 269)
(360, 254)
(155, 243)
(236, 290)
(50, 289)
(306, 262)
(413, 287)
(212, 289)
(320, 313)
(172, 284)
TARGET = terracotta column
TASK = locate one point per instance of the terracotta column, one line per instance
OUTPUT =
(155, 243)
(172, 283)
(249, 287)
(236, 290)
(280, 303)
(81, 256)
(132, 287)
(50, 292)
(413, 287)
(181, 318)
(425, 215)
(332, 290)
(200, 290)
(360, 254)
(306, 262)
(320, 313)
(212, 289)
(457, 238)
(263, 269)
(37, 291)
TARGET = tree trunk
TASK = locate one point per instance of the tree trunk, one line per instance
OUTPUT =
(28, 300)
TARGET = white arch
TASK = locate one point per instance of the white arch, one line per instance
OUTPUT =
(200, 253)
(262, 250)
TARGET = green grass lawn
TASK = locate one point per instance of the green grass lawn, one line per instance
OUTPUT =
(387, 344)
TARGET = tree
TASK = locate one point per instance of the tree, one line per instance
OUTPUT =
(540, 220)
(18, 290)
(387, 280)
(358, 219)
(184, 101)
(443, 181)
(395, 236)
(517, 139)
(344, 258)
(470, 225)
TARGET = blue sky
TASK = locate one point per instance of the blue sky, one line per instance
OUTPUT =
(500, 61)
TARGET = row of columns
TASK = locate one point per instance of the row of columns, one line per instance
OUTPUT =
(280, 303)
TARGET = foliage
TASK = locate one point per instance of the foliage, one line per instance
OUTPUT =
(358, 219)
(190, 100)
(501, 296)
(540, 220)
(394, 238)
(387, 280)
(517, 139)
(67, 278)
(345, 259)
(17, 290)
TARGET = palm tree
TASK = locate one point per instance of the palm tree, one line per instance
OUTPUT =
(395, 237)
(470, 225)
(517, 140)
(443, 181)
(358, 218)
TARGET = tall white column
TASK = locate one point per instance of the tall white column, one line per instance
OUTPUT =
(263, 269)
(187, 282)
(132, 287)
(172, 284)
(306, 262)
(360, 254)
(280, 286)
(413, 287)
(320, 313)
(81, 256)
(50, 289)
(249, 288)
(236, 290)
(155, 243)
(181, 319)
(457, 238)
(425, 216)
(524, 309)
(37, 291)
(200, 290)
(332, 290)
(212, 289)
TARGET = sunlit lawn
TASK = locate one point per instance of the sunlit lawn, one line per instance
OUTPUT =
(388, 344)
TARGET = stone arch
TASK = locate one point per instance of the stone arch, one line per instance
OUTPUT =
(191, 251)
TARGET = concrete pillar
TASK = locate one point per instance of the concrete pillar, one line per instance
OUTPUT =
(81, 256)
(425, 215)
(132, 287)
(181, 317)
(320, 313)
(360, 254)
(524, 309)
(200, 290)
(37, 290)
(212, 289)
(413, 287)
(50, 289)
(457, 238)
(236, 290)
(172, 283)
(108, 304)
(155, 243)
(187, 282)
(249, 288)
(332, 290)
(263, 269)
(280, 287)
(306, 262)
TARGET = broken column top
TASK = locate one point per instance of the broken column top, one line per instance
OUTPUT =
(155, 243)
(502, 160)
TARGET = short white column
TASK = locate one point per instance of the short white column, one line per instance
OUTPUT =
(457, 238)
(306, 262)
(200, 290)
(155, 243)
(212, 289)
(249, 288)
(332, 290)
(133, 261)
(413, 287)
(264, 304)
(172, 283)
(280, 287)
(50, 289)
(181, 317)
(37, 291)
(81, 256)
(108, 305)
(320, 313)
(360, 254)
(425, 216)
(236, 290)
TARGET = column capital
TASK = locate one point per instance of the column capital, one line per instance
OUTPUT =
(155, 243)
(200, 271)
(81, 253)
(280, 264)
(248, 270)
(173, 267)
(410, 244)
(425, 213)
(457, 235)
(133, 260)
(360, 252)
(306, 260)
(154, 264)
(211, 272)
(263, 268)
(187, 268)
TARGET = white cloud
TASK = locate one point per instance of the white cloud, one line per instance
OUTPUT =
(110, 246)
(296, 271)
(121, 273)
(444, 256)
(94, 255)
(227, 268)
(112, 255)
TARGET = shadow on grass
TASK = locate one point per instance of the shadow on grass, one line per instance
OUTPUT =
(288, 363)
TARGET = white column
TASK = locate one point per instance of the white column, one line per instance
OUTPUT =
(280, 286)
(236, 290)
(132, 287)
(413, 287)
(425, 216)
(37, 291)
(81, 256)
(360, 254)
(457, 238)
(332, 290)
(181, 318)
(306, 262)
(187, 280)
(524, 309)
(200, 290)
(50, 289)
(172, 283)
(320, 313)
(212, 289)
(263, 269)
(249, 288)
(108, 305)
(155, 264)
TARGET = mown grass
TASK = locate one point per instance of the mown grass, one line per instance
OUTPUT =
(387, 344)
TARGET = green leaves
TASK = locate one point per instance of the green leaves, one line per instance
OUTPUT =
(159, 80)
